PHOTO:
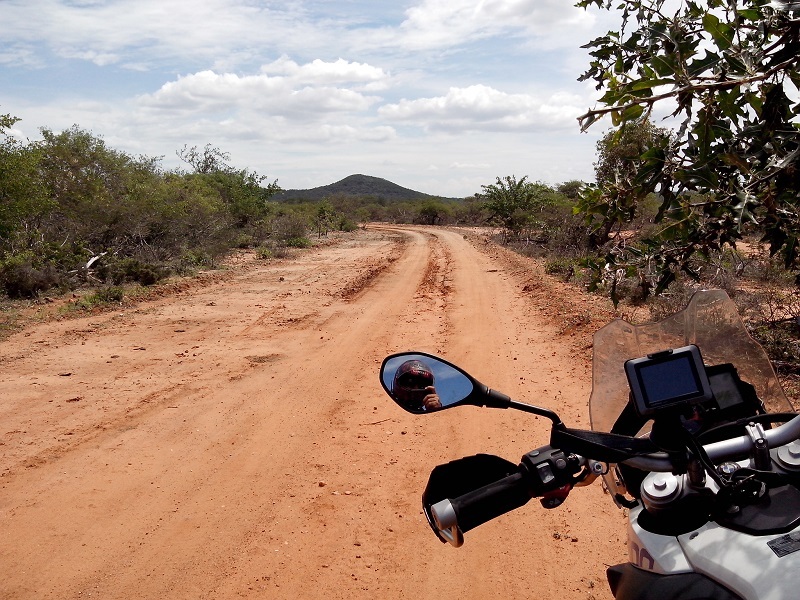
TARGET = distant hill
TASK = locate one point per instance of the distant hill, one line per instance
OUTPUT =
(355, 185)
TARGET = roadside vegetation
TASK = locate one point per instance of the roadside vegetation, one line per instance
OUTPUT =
(82, 220)
(78, 214)
(711, 201)
(718, 191)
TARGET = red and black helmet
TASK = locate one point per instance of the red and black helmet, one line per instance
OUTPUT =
(410, 381)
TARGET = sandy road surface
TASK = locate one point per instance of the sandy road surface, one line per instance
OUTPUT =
(232, 440)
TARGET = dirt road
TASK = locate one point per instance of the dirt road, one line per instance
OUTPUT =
(231, 439)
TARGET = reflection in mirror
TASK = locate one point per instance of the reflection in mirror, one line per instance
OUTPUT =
(421, 383)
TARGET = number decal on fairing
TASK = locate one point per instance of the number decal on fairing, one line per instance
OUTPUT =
(641, 558)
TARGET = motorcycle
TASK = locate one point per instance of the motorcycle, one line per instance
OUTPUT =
(690, 432)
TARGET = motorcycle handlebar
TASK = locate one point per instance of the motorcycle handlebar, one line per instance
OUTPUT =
(547, 472)
(725, 449)
(484, 504)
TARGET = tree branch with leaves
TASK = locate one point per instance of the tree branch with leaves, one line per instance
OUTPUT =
(728, 70)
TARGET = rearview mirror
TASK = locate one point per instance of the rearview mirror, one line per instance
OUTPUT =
(421, 383)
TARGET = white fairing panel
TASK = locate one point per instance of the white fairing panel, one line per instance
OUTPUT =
(655, 553)
(747, 564)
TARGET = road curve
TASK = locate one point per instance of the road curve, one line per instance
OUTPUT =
(231, 440)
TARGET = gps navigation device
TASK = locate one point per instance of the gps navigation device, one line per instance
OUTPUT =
(668, 379)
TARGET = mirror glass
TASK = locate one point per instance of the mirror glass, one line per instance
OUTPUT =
(422, 383)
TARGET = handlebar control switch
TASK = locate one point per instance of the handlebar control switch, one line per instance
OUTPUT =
(545, 473)
(550, 469)
(551, 474)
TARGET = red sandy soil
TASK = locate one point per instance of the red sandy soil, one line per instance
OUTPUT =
(231, 439)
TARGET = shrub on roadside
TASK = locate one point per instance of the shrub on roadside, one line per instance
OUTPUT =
(102, 297)
(281, 252)
(264, 253)
(131, 270)
(195, 259)
(244, 241)
(347, 225)
(21, 279)
(109, 294)
(559, 265)
(298, 242)
(290, 226)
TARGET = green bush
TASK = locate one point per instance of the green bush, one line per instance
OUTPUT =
(559, 265)
(298, 242)
(131, 270)
(110, 294)
(244, 240)
(290, 226)
(264, 253)
(103, 296)
(281, 252)
(347, 225)
(196, 258)
(21, 279)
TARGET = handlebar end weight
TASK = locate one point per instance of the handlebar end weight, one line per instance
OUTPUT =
(444, 520)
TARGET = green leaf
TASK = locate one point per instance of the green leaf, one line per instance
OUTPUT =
(749, 14)
(632, 112)
(790, 252)
(665, 279)
(664, 65)
(794, 75)
(735, 65)
(722, 33)
(700, 66)
(674, 231)
(733, 159)
(644, 84)
(755, 101)
(742, 213)
(729, 71)
(586, 121)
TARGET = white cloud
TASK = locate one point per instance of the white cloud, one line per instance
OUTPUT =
(315, 90)
(480, 107)
(432, 24)
(339, 134)
(226, 34)
(153, 31)
(315, 100)
(101, 59)
(319, 71)
(469, 166)
(19, 55)
(299, 91)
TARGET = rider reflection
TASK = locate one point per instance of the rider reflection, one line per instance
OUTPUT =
(413, 387)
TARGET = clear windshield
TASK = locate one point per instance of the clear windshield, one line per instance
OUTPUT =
(709, 321)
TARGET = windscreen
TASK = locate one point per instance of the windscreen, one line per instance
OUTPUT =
(709, 321)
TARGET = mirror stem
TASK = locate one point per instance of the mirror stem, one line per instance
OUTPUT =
(495, 399)
(537, 410)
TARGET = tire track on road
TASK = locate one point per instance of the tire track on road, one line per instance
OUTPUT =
(268, 463)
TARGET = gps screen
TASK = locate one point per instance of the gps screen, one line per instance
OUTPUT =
(662, 382)
(666, 379)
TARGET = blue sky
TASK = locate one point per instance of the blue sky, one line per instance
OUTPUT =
(441, 96)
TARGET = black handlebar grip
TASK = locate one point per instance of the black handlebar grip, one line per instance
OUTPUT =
(484, 504)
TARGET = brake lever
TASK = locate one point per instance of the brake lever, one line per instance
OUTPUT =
(555, 498)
